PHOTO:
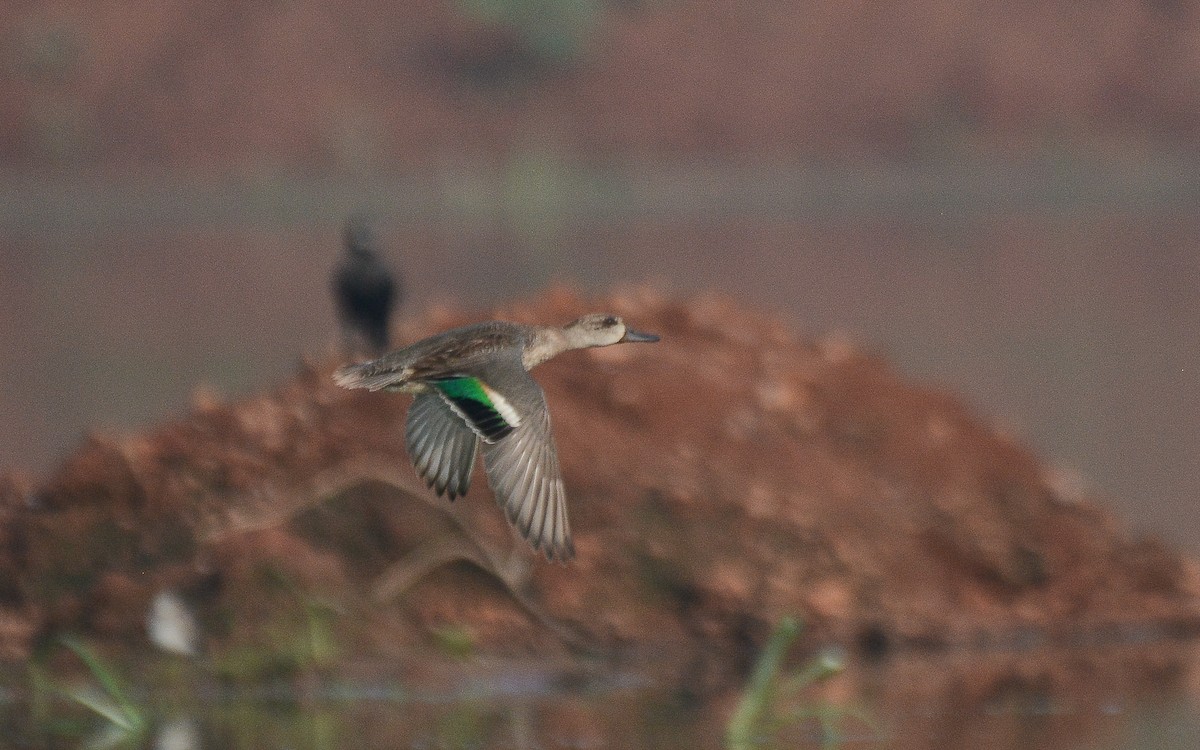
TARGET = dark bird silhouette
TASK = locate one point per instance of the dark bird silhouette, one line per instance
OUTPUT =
(364, 291)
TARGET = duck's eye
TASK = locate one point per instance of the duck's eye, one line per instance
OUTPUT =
(609, 322)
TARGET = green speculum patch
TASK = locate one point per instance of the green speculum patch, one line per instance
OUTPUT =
(471, 400)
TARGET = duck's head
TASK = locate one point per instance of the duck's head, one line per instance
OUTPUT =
(602, 329)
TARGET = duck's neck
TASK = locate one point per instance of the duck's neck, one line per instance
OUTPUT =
(546, 342)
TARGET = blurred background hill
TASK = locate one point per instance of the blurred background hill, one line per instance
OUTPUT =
(1000, 197)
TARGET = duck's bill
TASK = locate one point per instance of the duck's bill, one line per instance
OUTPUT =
(632, 336)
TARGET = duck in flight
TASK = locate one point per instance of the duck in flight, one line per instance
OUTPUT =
(472, 387)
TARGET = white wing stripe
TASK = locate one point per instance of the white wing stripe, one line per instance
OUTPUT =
(501, 404)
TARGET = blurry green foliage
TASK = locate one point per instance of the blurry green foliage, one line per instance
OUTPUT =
(49, 51)
(454, 640)
(556, 31)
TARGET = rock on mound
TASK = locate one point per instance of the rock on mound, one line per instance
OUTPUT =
(730, 475)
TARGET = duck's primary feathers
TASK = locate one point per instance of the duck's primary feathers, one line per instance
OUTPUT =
(472, 386)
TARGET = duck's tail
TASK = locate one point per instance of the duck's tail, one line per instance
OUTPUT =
(370, 376)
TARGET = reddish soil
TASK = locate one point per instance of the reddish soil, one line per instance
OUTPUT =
(724, 478)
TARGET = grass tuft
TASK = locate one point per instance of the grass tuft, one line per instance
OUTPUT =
(760, 712)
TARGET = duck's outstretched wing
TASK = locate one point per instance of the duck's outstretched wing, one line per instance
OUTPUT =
(441, 445)
(522, 469)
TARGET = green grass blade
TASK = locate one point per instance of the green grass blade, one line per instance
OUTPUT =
(748, 719)
(118, 696)
(101, 705)
(107, 679)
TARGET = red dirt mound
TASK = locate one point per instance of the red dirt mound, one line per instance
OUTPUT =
(730, 475)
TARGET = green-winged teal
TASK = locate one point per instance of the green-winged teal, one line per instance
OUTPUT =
(472, 384)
